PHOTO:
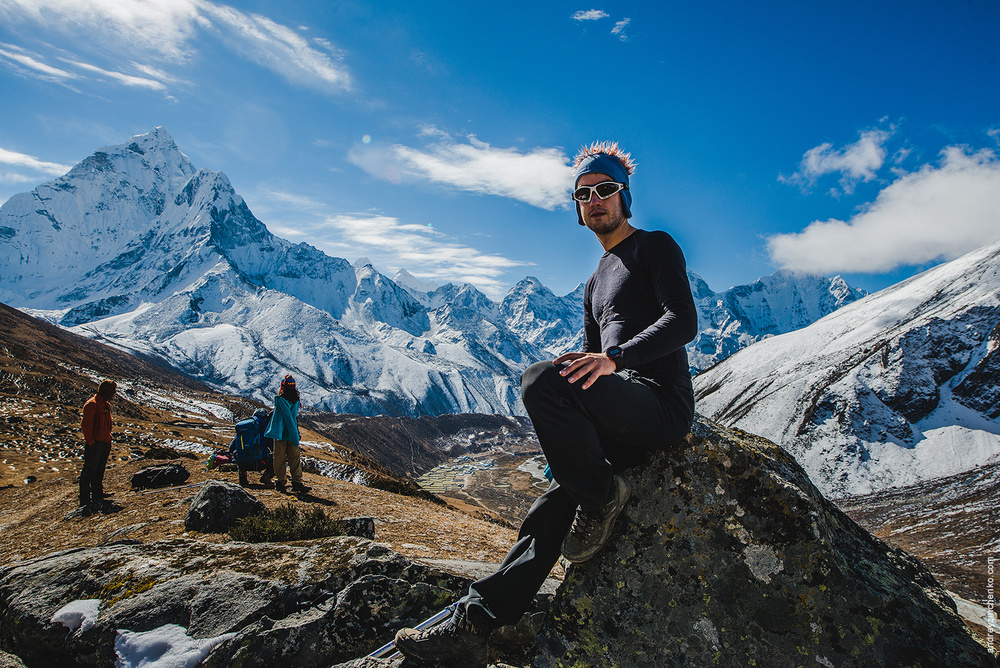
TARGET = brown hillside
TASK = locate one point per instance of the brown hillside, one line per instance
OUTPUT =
(46, 374)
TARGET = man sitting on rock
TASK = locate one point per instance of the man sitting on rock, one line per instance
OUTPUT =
(595, 412)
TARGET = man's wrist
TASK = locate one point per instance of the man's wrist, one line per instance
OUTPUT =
(614, 353)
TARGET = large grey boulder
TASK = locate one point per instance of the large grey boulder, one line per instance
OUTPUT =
(309, 604)
(727, 555)
(219, 505)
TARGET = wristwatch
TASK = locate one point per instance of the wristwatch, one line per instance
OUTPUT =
(614, 353)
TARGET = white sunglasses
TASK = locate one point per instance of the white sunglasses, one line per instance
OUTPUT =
(604, 190)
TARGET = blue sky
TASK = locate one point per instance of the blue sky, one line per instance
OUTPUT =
(852, 138)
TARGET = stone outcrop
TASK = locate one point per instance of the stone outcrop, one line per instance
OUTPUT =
(219, 505)
(727, 555)
(309, 604)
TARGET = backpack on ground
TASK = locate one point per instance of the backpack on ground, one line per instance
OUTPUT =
(250, 449)
(160, 475)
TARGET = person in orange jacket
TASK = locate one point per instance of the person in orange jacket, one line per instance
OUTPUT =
(96, 426)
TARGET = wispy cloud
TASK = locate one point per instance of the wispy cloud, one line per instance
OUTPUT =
(590, 15)
(120, 77)
(855, 162)
(33, 63)
(30, 162)
(540, 177)
(389, 243)
(619, 29)
(936, 213)
(163, 26)
(597, 14)
(422, 251)
(313, 63)
(167, 32)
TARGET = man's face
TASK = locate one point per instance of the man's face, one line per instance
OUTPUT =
(602, 216)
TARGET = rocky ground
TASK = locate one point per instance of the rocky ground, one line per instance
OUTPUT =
(34, 521)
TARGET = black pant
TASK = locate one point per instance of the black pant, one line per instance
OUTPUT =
(95, 460)
(587, 436)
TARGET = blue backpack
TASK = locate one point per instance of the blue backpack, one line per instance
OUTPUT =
(250, 449)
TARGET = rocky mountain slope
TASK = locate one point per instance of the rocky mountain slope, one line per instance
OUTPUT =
(949, 523)
(137, 247)
(899, 387)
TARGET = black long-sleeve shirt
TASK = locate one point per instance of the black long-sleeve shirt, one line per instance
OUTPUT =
(639, 299)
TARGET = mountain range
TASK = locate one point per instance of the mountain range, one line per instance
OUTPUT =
(898, 387)
(136, 247)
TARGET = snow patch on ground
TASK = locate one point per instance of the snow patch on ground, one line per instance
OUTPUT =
(975, 613)
(81, 614)
(168, 646)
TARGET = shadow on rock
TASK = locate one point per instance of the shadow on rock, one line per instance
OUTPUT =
(104, 507)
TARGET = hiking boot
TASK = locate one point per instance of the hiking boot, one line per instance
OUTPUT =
(279, 487)
(243, 478)
(300, 488)
(447, 644)
(101, 496)
(267, 481)
(591, 529)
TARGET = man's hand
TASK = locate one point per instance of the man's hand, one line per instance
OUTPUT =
(589, 366)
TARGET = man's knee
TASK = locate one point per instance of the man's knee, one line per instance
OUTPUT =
(541, 381)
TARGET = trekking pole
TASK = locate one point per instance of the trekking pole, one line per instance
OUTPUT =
(386, 650)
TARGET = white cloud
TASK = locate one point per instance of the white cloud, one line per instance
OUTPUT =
(590, 15)
(169, 30)
(540, 177)
(125, 79)
(165, 26)
(33, 62)
(280, 49)
(389, 243)
(936, 213)
(419, 249)
(619, 29)
(30, 162)
(856, 162)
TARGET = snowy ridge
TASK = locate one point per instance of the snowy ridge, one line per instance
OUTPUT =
(139, 248)
(740, 316)
(901, 386)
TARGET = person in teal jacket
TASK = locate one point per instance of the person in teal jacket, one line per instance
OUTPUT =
(283, 428)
